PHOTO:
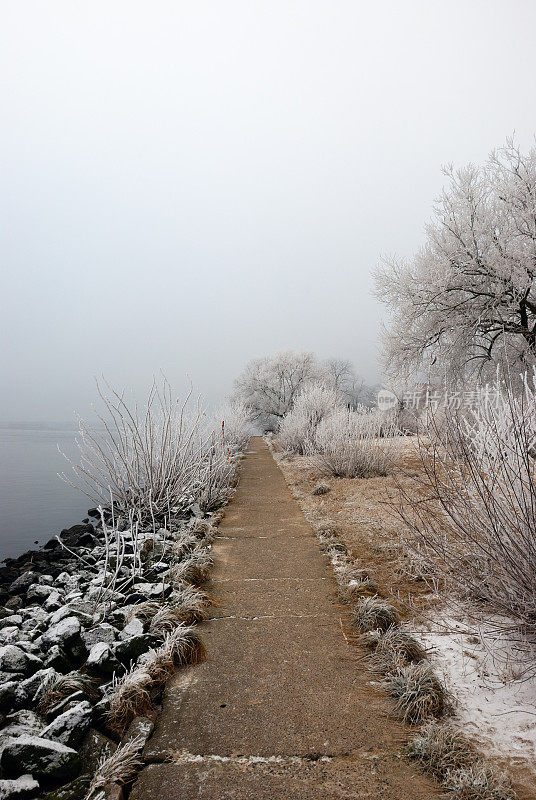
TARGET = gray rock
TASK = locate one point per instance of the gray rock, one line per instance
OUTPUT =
(133, 628)
(131, 649)
(70, 727)
(153, 591)
(38, 592)
(14, 603)
(63, 633)
(23, 582)
(22, 722)
(82, 614)
(13, 659)
(7, 694)
(99, 633)
(57, 659)
(9, 634)
(39, 757)
(140, 729)
(53, 601)
(11, 619)
(94, 747)
(29, 689)
(48, 579)
(25, 786)
(102, 661)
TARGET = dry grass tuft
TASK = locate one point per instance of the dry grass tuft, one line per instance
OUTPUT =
(321, 488)
(396, 649)
(372, 613)
(418, 692)
(134, 693)
(191, 607)
(440, 749)
(144, 611)
(194, 568)
(183, 646)
(54, 690)
(131, 697)
(120, 768)
(478, 782)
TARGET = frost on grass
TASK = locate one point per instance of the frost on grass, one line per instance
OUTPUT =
(396, 649)
(418, 692)
(371, 613)
(447, 754)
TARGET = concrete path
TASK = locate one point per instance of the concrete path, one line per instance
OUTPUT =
(282, 708)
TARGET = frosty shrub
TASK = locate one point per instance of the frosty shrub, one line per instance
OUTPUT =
(478, 521)
(312, 405)
(157, 459)
(349, 444)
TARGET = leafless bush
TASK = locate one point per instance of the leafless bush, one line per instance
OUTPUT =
(157, 460)
(350, 444)
(474, 508)
(298, 427)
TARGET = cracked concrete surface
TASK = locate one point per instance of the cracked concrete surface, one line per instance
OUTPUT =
(283, 707)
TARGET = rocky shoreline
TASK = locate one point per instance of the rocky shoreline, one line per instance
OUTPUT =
(81, 619)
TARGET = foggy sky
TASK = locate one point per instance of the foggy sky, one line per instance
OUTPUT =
(187, 185)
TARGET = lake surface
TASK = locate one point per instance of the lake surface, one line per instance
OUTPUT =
(35, 504)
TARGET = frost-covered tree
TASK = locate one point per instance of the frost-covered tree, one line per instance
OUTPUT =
(467, 300)
(341, 375)
(269, 385)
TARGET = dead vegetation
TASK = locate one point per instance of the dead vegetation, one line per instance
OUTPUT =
(385, 581)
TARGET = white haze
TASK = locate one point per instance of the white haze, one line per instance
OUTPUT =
(187, 185)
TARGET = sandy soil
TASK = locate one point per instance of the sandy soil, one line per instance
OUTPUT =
(493, 707)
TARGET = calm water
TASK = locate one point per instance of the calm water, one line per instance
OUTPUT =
(34, 503)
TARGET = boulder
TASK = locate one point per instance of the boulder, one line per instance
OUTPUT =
(27, 690)
(131, 649)
(139, 731)
(25, 786)
(133, 628)
(9, 634)
(10, 620)
(70, 727)
(102, 661)
(22, 722)
(75, 790)
(94, 747)
(39, 757)
(7, 694)
(57, 659)
(63, 633)
(38, 593)
(14, 603)
(23, 582)
(154, 591)
(100, 633)
(53, 601)
(13, 659)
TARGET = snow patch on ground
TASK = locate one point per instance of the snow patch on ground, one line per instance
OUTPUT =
(495, 700)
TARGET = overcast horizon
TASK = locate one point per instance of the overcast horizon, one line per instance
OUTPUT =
(187, 186)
